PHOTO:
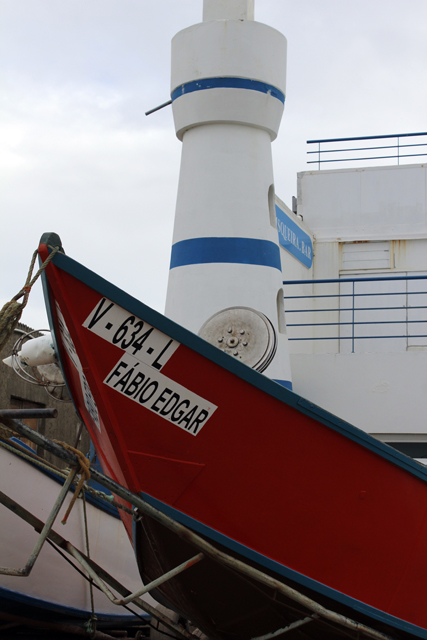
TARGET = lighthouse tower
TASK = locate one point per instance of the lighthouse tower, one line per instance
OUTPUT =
(228, 93)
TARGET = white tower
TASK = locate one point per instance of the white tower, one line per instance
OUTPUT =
(225, 281)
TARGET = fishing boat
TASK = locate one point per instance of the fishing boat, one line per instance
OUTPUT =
(261, 471)
(55, 591)
(214, 416)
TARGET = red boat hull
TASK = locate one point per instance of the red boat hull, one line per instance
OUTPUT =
(238, 458)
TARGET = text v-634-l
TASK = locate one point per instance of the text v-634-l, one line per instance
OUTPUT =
(138, 375)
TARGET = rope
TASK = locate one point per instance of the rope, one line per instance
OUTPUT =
(12, 311)
(48, 466)
(84, 475)
(5, 432)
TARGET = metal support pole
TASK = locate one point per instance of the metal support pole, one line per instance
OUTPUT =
(352, 322)
(63, 544)
(40, 440)
(156, 583)
(131, 597)
(161, 106)
(290, 627)
(208, 549)
(44, 533)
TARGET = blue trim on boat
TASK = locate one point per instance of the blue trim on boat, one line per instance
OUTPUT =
(282, 570)
(227, 83)
(285, 383)
(226, 250)
(204, 348)
(8, 597)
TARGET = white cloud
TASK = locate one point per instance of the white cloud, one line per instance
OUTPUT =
(73, 164)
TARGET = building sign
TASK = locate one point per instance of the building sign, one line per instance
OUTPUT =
(294, 239)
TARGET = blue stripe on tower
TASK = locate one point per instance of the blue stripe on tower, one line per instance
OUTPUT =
(227, 83)
(227, 250)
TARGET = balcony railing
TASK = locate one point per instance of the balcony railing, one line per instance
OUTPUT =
(332, 150)
(353, 310)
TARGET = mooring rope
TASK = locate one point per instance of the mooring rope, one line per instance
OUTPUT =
(5, 432)
(84, 475)
(12, 311)
(14, 448)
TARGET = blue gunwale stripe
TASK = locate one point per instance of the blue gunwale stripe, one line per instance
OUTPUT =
(226, 250)
(227, 83)
(281, 569)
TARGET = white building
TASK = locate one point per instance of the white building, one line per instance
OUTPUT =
(364, 223)
(356, 344)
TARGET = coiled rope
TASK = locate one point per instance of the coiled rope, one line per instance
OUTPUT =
(12, 311)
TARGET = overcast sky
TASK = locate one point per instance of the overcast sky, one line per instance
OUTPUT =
(79, 157)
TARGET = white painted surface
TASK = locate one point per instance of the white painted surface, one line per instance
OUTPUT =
(228, 196)
(226, 167)
(378, 203)
(377, 392)
(233, 48)
(228, 106)
(189, 284)
(365, 255)
(52, 578)
(228, 48)
(366, 222)
(228, 10)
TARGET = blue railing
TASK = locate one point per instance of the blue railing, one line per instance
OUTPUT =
(361, 308)
(398, 150)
